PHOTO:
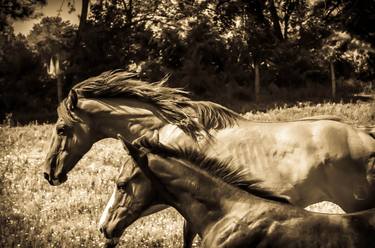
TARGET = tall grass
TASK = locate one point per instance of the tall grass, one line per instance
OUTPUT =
(35, 214)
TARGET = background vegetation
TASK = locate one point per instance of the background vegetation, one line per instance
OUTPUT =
(219, 50)
(34, 214)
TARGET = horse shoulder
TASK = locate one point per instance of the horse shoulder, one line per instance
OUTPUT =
(172, 135)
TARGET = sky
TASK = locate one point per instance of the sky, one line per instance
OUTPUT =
(50, 9)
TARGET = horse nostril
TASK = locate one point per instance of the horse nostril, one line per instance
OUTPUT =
(103, 231)
(46, 176)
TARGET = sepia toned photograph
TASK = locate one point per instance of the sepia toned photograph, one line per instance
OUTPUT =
(187, 123)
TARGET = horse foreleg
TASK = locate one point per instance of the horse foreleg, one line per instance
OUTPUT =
(188, 235)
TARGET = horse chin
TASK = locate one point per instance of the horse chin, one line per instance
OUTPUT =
(58, 181)
(115, 228)
(113, 234)
(109, 243)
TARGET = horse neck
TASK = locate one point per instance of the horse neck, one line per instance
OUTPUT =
(131, 118)
(202, 199)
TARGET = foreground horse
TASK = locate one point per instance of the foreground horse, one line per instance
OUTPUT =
(228, 210)
(308, 160)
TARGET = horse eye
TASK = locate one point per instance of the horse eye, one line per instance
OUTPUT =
(121, 185)
(61, 130)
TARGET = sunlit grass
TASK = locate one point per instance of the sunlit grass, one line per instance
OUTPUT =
(361, 113)
(35, 214)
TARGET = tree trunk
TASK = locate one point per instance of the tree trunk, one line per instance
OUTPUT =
(275, 20)
(83, 17)
(291, 5)
(59, 88)
(256, 81)
(59, 79)
(82, 21)
(333, 78)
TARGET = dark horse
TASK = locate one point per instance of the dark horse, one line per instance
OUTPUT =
(228, 209)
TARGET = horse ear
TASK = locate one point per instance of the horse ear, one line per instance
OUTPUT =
(147, 142)
(134, 151)
(155, 137)
(72, 100)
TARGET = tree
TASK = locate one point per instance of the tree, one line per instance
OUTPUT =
(342, 46)
(21, 77)
(82, 18)
(18, 9)
(250, 19)
(53, 40)
(355, 17)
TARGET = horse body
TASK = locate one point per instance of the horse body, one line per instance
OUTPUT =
(269, 150)
(324, 151)
(226, 216)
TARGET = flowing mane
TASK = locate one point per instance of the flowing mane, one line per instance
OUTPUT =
(174, 105)
(219, 169)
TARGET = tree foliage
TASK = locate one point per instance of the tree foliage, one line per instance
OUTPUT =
(17, 9)
(51, 36)
(209, 47)
(22, 79)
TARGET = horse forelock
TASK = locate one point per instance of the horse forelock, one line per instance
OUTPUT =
(173, 104)
(223, 170)
(65, 114)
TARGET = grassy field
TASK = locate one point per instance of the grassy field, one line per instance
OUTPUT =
(34, 214)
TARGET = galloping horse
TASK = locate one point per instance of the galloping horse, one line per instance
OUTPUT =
(228, 209)
(308, 160)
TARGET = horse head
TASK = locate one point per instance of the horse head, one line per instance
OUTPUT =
(133, 195)
(72, 137)
(114, 102)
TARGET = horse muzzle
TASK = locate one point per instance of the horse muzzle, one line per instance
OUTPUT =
(113, 229)
(55, 181)
(110, 243)
(104, 232)
(108, 235)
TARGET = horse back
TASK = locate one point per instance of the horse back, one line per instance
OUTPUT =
(288, 226)
(327, 137)
(268, 224)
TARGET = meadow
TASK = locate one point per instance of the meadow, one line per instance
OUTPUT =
(35, 214)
